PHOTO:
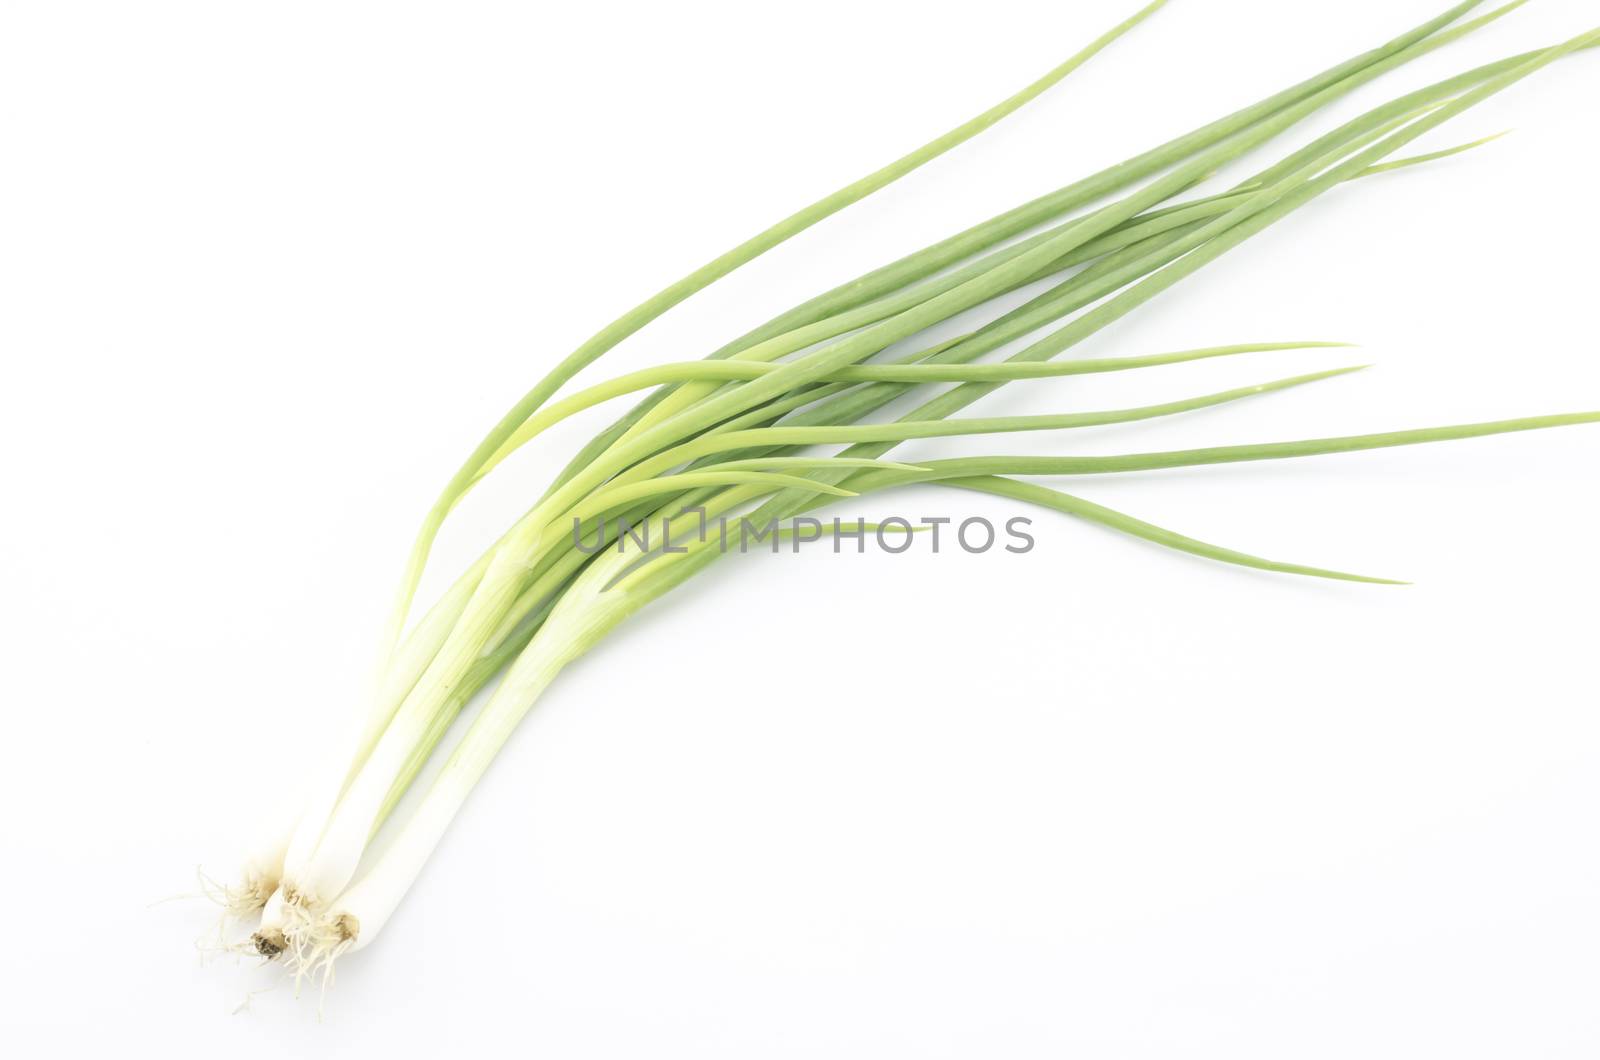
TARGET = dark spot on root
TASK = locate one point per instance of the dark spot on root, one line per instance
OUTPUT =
(268, 946)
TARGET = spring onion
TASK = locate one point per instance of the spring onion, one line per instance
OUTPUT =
(737, 432)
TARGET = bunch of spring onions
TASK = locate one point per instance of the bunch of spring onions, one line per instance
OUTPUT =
(739, 432)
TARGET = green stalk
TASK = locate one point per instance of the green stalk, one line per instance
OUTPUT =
(1072, 236)
(1200, 136)
(1158, 232)
(1082, 293)
(642, 314)
(669, 572)
(1227, 231)
(706, 445)
(1360, 126)
(1045, 497)
(1088, 511)
(947, 428)
(907, 430)
(1205, 244)
(1226, 454)
(1224, 237)
(1038, 211)
(912, 374)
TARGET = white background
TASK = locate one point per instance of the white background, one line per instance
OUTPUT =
(268, 271)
